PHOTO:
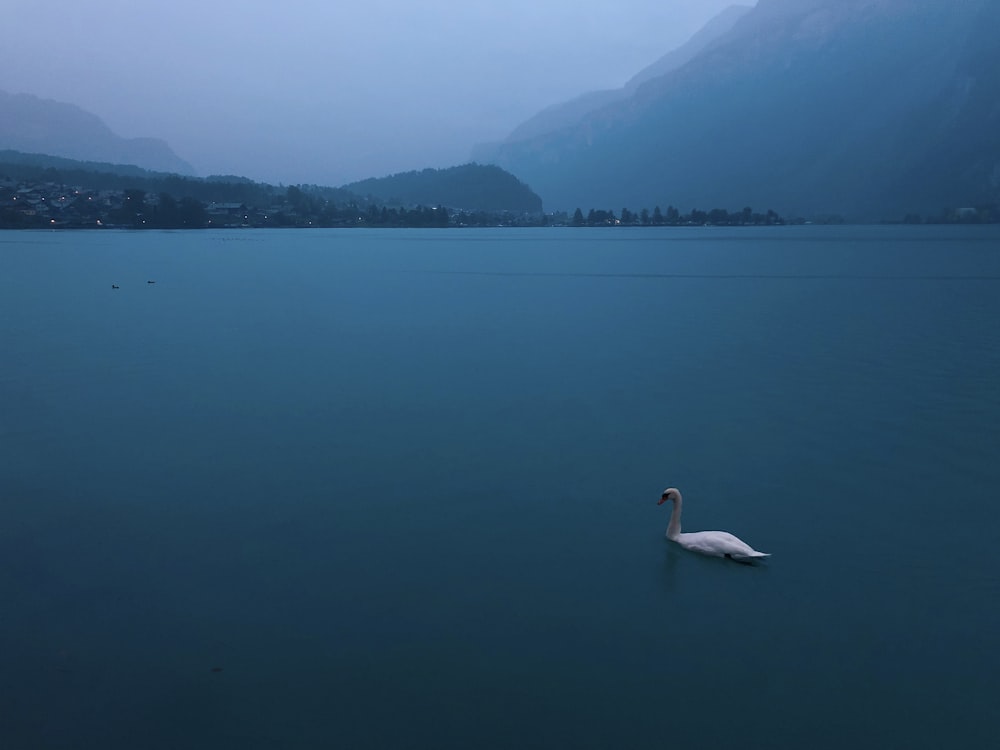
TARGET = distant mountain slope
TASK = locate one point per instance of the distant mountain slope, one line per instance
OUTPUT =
(473, 187)
(717, 27)
(35, 125)
(567, 114)
(10, 159)
(866, 108)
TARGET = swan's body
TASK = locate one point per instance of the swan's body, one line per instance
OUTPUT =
(714, 543)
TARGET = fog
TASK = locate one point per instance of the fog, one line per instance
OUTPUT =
(312, 91)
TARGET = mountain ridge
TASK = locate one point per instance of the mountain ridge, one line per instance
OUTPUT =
(34, 125)
(565, 114)
(805, 106)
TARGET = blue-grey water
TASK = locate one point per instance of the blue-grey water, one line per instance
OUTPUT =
(398, 489)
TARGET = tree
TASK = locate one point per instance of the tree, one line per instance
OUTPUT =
(191, 213)
(300, 202)
(441, 216)
(578, 218)
(718, 216)
(165, 214)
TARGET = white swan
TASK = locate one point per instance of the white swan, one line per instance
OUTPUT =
(715, 543)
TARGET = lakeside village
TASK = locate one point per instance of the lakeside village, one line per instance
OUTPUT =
(26, 204)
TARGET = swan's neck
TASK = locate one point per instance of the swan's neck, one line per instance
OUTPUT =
(674, 529)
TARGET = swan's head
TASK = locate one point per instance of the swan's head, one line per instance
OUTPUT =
(671, 493)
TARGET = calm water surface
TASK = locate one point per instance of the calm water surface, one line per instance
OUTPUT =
(398, 489)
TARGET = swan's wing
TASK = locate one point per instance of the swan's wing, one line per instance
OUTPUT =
(719, 544)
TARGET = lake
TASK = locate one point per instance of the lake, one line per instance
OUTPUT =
(397, 489)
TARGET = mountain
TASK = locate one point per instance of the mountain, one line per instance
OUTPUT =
(717, 27)
(34, 125)
(17, 163)
(567, 114)
(473, 187)
(864, 108)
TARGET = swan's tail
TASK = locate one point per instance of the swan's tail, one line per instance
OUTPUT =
(750, 556)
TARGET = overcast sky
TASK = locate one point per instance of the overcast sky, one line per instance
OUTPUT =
(325, 91)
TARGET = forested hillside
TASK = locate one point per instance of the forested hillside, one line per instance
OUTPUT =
(473, 187)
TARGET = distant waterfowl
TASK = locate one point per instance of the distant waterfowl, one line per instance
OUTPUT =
(114, 286)
(150, 282)
(714, 543)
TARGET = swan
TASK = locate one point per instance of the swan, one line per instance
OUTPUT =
(714, 543)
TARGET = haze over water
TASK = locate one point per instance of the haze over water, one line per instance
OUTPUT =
(398, 489)
(327, 93)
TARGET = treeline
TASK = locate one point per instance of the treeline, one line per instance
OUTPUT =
(673, 217)
(985, 214)
(309, 209)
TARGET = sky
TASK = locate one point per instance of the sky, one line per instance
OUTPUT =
(327, 92)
